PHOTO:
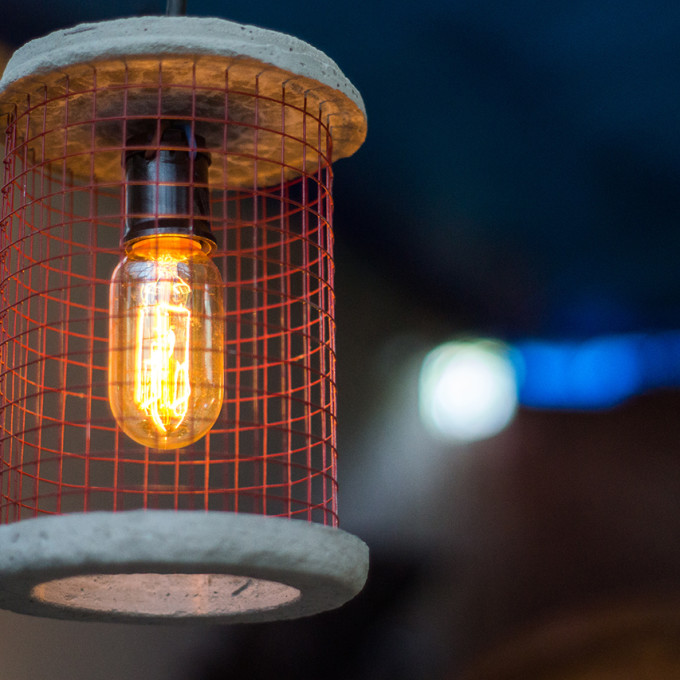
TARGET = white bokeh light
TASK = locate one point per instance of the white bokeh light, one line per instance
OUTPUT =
(468, 390)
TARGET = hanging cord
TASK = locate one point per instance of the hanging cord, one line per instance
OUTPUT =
(176, 8)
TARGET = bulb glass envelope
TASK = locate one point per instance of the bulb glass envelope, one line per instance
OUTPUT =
(273, 113)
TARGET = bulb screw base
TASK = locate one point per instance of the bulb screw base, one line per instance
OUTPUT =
(166, 190)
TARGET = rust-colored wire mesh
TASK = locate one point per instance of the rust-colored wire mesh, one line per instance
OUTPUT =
(272, 449)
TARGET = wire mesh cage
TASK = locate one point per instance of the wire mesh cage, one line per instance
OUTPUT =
(272, 448)
(167, 332)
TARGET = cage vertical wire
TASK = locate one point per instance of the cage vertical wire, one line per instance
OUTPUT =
(269, 137)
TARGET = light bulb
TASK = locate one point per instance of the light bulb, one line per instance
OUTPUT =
(165, 346)
(166, 321)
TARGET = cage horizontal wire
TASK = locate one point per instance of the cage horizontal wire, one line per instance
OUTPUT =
(272, 448)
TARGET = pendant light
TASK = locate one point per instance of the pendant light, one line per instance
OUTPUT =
(167, 347)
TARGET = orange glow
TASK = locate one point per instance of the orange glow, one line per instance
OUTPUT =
(166, 335)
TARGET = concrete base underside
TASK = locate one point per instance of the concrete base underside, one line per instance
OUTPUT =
(161, 566)
(195, 54)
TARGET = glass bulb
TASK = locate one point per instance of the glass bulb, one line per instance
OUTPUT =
(166, 336)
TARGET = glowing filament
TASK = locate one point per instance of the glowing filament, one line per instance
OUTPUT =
(162, 385)
(162, 381)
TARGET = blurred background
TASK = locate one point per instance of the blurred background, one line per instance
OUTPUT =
(508, 308)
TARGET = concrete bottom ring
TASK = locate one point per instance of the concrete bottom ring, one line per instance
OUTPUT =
(164, 566)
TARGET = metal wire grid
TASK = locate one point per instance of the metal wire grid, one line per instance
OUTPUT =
(272, 450)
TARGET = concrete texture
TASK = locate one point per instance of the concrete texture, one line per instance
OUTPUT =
(188, 566)
(162, 36)
(245, 87)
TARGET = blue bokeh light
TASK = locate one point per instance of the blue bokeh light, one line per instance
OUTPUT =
(595, 373)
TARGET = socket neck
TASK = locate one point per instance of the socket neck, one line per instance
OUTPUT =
(166, 185)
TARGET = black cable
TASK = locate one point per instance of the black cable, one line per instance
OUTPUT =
(176, 8)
